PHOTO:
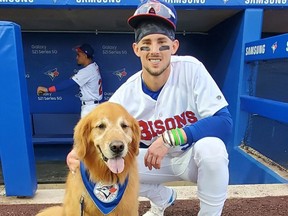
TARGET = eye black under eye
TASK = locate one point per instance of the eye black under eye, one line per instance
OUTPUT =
(144, 48)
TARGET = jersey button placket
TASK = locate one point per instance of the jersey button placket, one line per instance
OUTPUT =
(157, 113)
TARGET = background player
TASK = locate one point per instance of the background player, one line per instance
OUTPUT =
(182, 113)
(88, 79)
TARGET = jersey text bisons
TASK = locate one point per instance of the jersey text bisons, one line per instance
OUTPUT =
(150, 129)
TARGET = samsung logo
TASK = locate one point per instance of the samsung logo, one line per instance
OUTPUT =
(98, 1)
(255, 50)
(186, 1)
(16, 1)
(265, 1)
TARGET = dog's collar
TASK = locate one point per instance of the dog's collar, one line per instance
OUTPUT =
(105, 197)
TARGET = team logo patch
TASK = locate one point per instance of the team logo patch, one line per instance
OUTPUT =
(52, 73)
(120, 73)
(106, 193)
(154, 7)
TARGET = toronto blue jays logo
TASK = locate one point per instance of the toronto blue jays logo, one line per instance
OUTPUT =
(106, 193)
(274, 47)
(52, 73)
(120, 73)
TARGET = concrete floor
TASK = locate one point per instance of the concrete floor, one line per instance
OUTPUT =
(54, 193)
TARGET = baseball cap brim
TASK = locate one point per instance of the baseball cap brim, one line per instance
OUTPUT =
(77, 49)
(134, 21)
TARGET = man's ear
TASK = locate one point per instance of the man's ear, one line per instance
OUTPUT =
(175, 46)
(136, 49)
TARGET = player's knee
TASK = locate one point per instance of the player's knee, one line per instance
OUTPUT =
(209, 147)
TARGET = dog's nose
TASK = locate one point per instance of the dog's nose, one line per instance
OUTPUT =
(117, 147)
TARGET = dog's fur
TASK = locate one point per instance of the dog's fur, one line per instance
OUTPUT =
(108, 127)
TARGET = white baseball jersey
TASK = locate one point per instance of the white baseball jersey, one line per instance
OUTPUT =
(189, 95)
(90, 82)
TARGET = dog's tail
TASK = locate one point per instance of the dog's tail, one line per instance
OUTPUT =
(51, 211)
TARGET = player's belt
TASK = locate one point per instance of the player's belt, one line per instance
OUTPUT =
(142, 145)
(90, 102)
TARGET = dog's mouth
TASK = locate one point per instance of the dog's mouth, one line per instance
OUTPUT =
(116, 164)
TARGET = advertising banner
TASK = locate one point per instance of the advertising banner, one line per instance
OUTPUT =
(269, 48)
(133, 3)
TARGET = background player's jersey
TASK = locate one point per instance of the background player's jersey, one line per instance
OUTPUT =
(189, 94)
(90, 83)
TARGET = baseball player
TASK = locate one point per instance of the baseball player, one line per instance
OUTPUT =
(182, 113)
(88, 79)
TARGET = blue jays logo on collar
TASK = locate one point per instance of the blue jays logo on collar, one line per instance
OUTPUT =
(105, 197)
(106, 193)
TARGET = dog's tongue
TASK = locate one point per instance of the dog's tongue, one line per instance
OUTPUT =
(116, 165)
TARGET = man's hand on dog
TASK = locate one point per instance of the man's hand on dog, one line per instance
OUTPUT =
(41, 90)
(72, 161)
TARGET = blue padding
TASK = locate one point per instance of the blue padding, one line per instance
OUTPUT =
(268, 108)
(244, 169)
(267, 48)
(16, 149)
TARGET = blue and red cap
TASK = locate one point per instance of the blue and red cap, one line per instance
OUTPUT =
(85, 48)
(155, 10)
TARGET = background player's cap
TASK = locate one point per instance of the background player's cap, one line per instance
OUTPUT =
(155, 10)
(85, 48)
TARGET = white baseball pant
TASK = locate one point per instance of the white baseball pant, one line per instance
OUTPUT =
(205, 163)
(85, 109)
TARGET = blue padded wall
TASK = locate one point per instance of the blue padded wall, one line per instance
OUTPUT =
(227, 41)
(16, 149)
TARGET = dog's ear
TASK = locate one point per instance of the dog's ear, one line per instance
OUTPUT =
(81, 136)
(136, 136)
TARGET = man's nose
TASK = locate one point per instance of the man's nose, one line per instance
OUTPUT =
(155, 48)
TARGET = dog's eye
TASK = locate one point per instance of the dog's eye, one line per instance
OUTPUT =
(123, 125)
(101, 126)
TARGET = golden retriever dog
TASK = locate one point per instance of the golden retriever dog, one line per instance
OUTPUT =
(107, 182)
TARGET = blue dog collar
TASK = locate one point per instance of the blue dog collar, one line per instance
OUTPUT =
(105, 197)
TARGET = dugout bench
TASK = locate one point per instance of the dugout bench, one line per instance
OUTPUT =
(52, 128)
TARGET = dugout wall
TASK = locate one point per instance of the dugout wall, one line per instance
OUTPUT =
(214, 32)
